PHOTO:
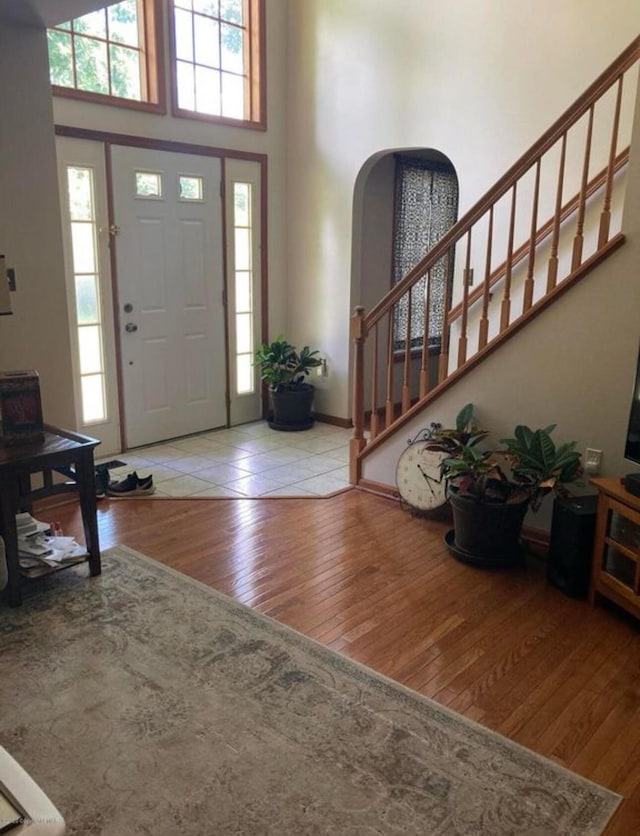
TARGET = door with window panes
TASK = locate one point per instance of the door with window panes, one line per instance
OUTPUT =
(168, 217)
(181, 360)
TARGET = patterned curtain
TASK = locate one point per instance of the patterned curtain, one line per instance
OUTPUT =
(426, 206)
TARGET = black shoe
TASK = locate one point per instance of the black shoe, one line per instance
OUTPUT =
(102, 482)
(145, 483)
(132, 485)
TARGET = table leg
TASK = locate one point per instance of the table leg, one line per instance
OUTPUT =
(8, 506)
(85, 474)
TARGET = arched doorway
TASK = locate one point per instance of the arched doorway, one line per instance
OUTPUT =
(404, 201)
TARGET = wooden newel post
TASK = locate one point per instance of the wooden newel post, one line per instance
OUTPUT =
(358, 442)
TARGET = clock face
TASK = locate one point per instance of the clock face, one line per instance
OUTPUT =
(418, 476)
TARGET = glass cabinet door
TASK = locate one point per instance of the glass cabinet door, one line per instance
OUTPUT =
(622, 547)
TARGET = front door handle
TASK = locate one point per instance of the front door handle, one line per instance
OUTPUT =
(130, 327)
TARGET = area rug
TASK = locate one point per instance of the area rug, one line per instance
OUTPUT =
(144, 703)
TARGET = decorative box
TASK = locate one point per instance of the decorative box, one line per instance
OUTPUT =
(20, 408)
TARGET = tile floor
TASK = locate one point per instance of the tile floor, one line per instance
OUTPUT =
(247, 461)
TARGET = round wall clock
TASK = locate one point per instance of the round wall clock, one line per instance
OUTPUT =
(418, 476)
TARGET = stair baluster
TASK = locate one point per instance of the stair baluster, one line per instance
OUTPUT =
(424, 357)
(605, 219)
(505, 311)
(578, 241)
(406, 391)
(483, 333)
(374, 422)
(552, 274)
(464, 320)
(528, 284)
(388, 414)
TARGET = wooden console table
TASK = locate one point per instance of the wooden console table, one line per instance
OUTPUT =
(615, 571)
(60, 448)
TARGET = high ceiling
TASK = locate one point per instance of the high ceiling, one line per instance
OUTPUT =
(47, 12)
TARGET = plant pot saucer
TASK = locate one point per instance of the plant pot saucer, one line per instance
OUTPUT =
(473, 559)
(302, 425)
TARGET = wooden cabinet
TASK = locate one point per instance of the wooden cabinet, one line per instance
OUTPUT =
(615, 572)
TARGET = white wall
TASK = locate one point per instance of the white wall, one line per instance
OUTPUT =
(373, 270)
(479, 81)
(36, 336)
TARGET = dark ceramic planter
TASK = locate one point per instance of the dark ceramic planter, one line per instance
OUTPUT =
(486, 533)
(291, 408)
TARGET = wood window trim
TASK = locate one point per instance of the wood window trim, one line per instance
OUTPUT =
(256, 71)
(154, 70)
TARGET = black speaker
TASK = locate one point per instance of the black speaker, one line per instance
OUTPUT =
(631, 483)
(571, 544)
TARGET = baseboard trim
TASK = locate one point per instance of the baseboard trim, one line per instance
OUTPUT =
(538, 539)
(380, 488)
(345, 423)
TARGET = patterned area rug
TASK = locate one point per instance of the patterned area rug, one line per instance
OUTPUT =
(143, 702)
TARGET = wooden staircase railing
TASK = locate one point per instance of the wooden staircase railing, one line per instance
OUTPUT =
(402, 362)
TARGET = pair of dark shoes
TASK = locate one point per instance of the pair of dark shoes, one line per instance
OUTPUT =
(132, 485)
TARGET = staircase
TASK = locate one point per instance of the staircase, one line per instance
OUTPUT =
(552, 218)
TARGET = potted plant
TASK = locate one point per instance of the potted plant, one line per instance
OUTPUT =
(284, 369)
(491, 490)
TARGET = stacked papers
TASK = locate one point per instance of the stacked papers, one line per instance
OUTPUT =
(39, 551)
(28, 525)
(62, 549)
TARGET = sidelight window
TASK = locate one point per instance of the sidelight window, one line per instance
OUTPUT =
(243, 280)
(86, 282)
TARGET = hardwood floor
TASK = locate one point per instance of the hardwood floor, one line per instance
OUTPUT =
(357, 573)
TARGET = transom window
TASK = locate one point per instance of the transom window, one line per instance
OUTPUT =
(106, 54)
(217, 59)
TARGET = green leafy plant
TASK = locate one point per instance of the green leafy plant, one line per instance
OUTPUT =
(536, 466)
(282, 366)
(465, 434)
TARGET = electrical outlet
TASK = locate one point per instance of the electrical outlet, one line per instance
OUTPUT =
(592, 460)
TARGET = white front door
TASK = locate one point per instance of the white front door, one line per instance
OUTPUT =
(168, 242)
